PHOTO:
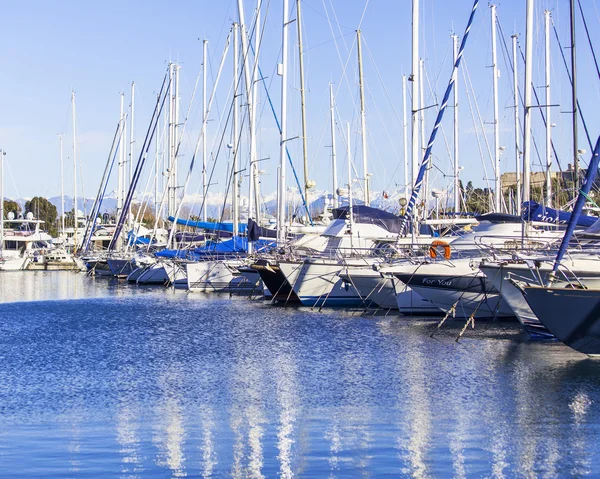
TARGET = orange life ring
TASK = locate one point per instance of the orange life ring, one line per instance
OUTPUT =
(434, 246)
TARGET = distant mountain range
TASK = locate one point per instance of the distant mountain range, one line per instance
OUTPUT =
(215, 202)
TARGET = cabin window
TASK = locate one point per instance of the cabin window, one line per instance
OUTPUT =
(12, 245)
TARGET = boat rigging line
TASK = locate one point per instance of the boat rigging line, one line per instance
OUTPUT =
(160, 102)
(440, 115)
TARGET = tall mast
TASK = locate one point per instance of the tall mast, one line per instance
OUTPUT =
(121, 170)
(350, 212)
(333, 161)
(171, 166)
(497, 179)
(157, 168)
(131, 142)
(415, 93)
(456, 161)
(172, 140)
(249, 98)
(528, 78)
(175, 138)
(405, 135)
(253, 149)
(425, 164)
(282, 70)
(307, 184)
(548, 123)
(75, 212)
(574, 100)
(204, 185)
(363, 120)
(236, 107)
(422, 131)
(62, 186)
(517, 131)
(123, 151)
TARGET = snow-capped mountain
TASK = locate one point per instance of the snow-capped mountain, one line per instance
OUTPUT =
(216, 203)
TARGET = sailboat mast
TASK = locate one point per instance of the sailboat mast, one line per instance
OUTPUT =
(123, 150)
(157, 172)
(497, 178)
(574, 100)
(75, 212)
(282, 70)
(170, 142)
(363, 120)
(121, 169)
(302, 100)
(405, 135)
(249, 98)
(422, 131)
(548, 123)
(175, 137)
(131, 143)
(333, 152)
(516, 116)
(440, 115)
(350, 206)
(415, 93)
(528, 78)
(236, 106)
(253, 149)
(204, 185)
(456, 161)
(62, 186)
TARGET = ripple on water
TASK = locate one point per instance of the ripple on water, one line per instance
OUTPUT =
(126, 381)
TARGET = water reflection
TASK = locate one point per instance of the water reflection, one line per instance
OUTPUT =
(170, 433)
(287, 396)
(74, 449)
(145, 382)
(17, 286)
(127, 438)
(496, 391)
(248, 416)
(209, 455)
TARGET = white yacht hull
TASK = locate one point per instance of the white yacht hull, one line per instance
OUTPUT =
(499, 274)
(317, 283)
(411, 303)
(218, 276)
(572, 315)
(455, 286)
(14, 263)
(372, 287)
(154, 274)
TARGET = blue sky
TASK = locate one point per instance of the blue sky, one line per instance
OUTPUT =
(98, 48)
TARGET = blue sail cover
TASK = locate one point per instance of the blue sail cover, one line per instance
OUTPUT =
(498, 218)
(189, 237)
(133, 239)
(177, 253)
(209, 225)
(366, 214)
(533, 211)
(374, 216)
(255, 231)
(233, 245)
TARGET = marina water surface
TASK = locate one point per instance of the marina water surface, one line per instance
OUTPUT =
(101, 379)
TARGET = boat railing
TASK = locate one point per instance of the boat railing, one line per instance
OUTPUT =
(507, 244)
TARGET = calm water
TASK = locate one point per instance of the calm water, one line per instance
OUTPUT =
(119, 381)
